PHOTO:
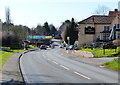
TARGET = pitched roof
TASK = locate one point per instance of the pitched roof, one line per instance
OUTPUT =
(98, 19)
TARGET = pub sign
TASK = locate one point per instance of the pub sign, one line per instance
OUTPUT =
(89, 30)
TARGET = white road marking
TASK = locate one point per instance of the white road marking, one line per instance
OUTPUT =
(54, 62)
(48, 59)
(44, 56)
(81, 75)
(68, 68)
(64, 67)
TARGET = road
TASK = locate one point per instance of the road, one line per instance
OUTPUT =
(51, 66)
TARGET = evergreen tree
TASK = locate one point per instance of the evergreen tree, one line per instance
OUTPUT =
(47, 28)
(71, 33)
(52, 30)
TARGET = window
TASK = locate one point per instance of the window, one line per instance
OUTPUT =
(118, 35)
(104, 36)
(106, 28)
(117, 26)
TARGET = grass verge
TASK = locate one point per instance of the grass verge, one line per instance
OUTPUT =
(114, 65)
(4, 55)
(100, 52)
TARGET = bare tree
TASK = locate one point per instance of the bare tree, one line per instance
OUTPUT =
(101, 10)
(8, 21)
(8, 18)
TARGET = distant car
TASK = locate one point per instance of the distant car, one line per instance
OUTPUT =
(62, 45)
(43, 47)
(54, 44)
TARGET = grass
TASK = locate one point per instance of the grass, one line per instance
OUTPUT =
(114, 65)
(4, 55)
(100, 52)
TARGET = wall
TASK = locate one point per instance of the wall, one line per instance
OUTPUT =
(89, 38)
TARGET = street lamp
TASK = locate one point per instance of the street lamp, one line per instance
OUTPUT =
(68, 38)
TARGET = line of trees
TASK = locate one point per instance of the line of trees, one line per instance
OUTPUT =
(46, 29)
(14, 35)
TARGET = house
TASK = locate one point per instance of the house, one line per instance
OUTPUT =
(99, 28)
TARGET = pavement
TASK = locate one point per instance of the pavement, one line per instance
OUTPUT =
(10, 72)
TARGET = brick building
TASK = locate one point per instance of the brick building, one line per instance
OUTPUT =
(99, 28)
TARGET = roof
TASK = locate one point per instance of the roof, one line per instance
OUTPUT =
(98, 19)
(101, 19)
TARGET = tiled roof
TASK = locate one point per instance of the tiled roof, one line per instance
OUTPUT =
(98, 19)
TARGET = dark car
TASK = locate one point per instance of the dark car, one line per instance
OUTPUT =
(43, 47)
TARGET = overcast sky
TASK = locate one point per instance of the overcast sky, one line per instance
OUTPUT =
(33, 12)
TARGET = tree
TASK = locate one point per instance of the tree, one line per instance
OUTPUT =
(52, 30)
(8, 21)
(47, 28)
(39, 30)
(101, 10)
(71, 33)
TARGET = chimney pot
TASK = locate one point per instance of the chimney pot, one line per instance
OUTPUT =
(116, 9)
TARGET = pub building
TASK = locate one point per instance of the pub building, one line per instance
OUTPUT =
(100, 28)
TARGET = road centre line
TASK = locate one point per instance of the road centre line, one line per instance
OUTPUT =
(81, 75)
(54, 62)
(48, 59)
(68, 68)
(64, 67)
(44, 56)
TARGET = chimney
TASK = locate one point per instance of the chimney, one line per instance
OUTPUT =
(116, 10)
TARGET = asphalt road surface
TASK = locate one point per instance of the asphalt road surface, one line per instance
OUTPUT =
(51, 66)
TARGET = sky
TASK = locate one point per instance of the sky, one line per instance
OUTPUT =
(34, 12)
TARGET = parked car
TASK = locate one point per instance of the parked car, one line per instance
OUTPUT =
(73, 47)
(62, 45)
(96, 44)
(43, 47)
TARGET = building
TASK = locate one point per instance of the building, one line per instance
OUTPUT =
(99, 28)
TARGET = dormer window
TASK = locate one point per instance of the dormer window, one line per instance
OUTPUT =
(106, 28)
